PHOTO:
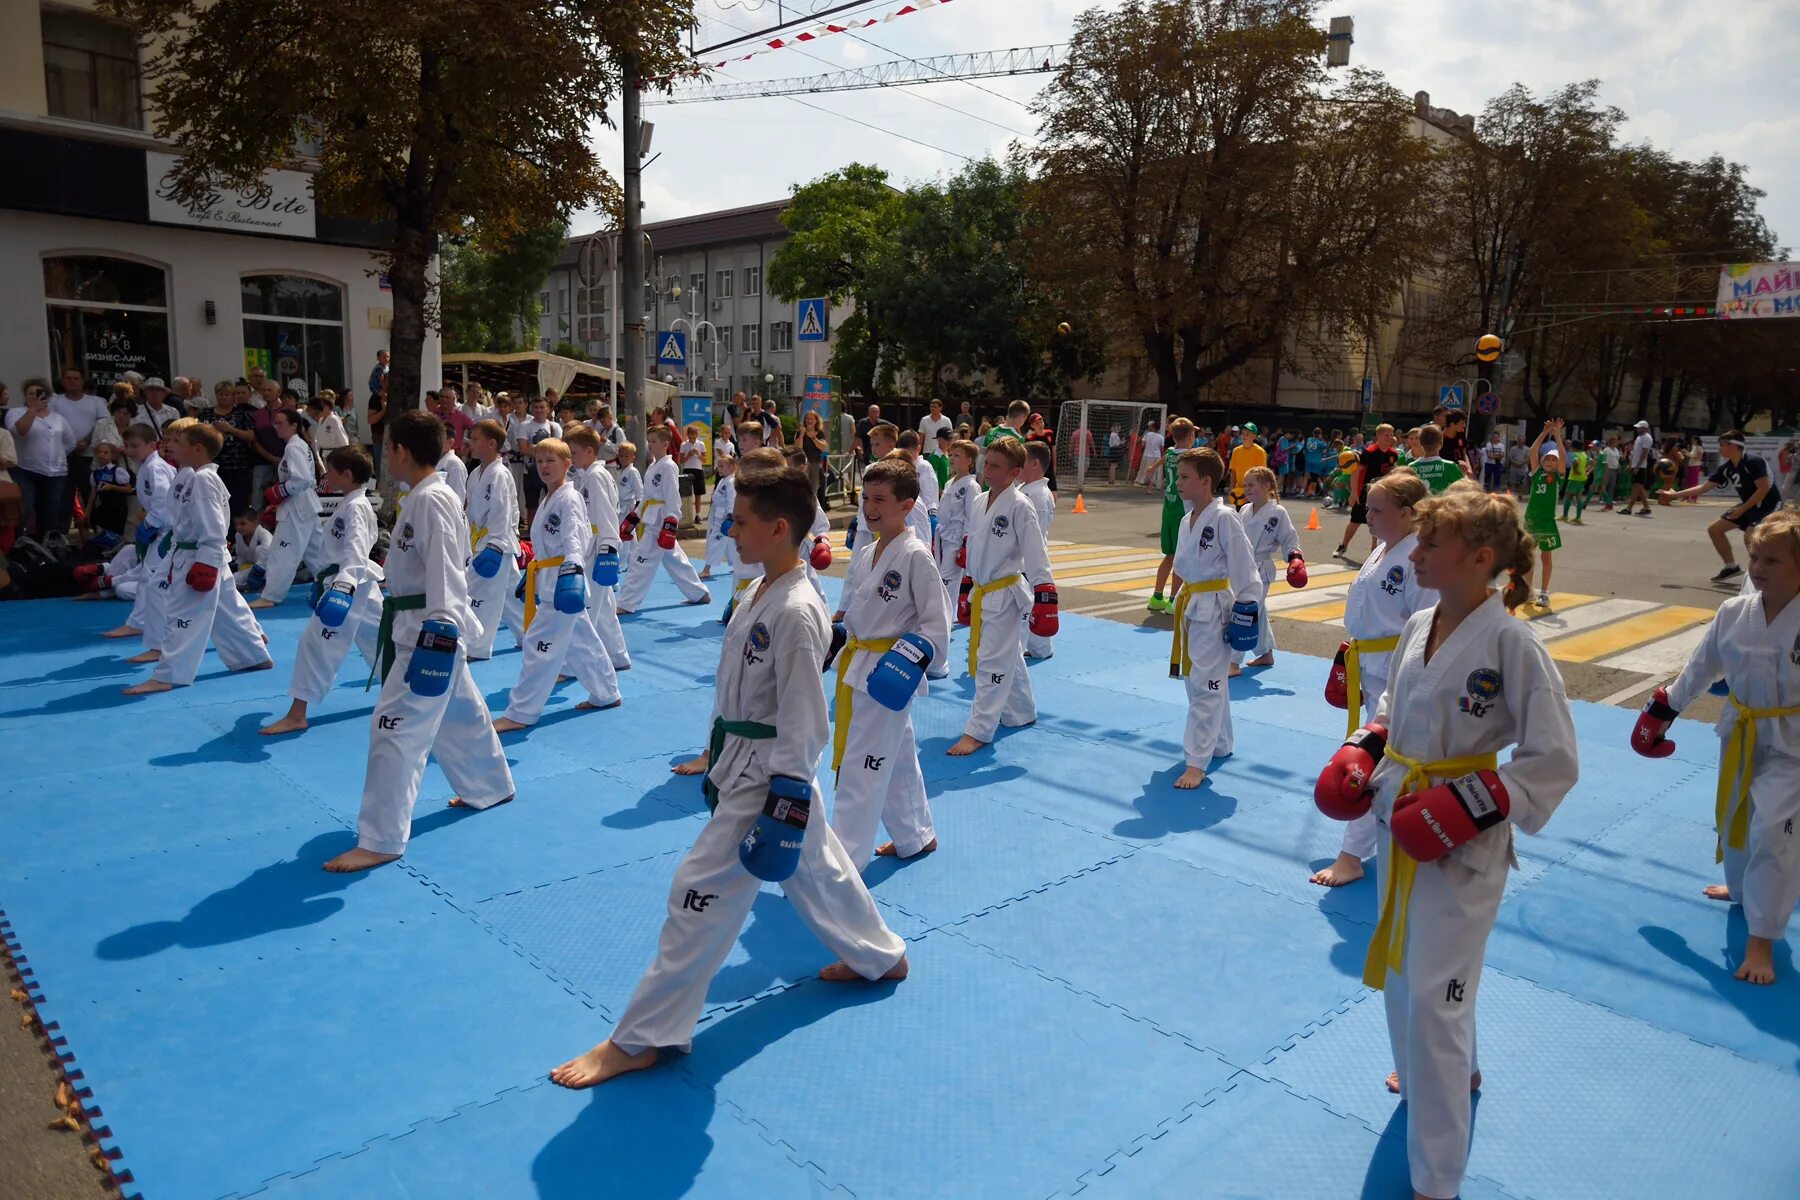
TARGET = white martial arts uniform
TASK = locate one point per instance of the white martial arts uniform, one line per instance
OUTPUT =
(927, 504)
(552, 639)
(954, 507)
(721, 548)
(601, 495)
(1213, 561)
(253, 552)
(129, 573)
(425, 560)
(1006, 561)
(1490, 685)
(661, 500)
(1272, 539)
(349, 537)
(202, 515)
(631, 490)
(493, 510)
(1761, 661)
(455, 473)
(1043, 502)
(743, 574)
(150, 607)
(768, 673)
(298, 533)
(891, 589)
(1384, 594)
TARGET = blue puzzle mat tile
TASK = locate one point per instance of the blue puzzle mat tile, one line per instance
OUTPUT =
(1114, 933)
(1561, 1078)
(105, 698)
(651, 1134)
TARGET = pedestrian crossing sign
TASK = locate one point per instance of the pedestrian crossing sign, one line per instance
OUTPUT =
(815, 323)
(671, 350)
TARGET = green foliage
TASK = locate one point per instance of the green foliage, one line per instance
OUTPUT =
(488, 298)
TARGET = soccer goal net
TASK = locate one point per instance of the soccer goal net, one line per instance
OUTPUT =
(1100, 443)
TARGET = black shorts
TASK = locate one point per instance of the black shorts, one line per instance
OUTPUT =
(1359, 513)
(693, 482)
(1644, 477)
(1749, 520)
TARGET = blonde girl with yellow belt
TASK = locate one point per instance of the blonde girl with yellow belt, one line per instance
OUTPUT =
(1385, 593)
(1469, 684)
(1754, 645)
(493, 561)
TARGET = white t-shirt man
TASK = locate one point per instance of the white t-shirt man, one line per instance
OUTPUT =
(80, 414)
(1609, 458)
(1153, 453)
(929, 426)
(531, 431)
(1642, 450)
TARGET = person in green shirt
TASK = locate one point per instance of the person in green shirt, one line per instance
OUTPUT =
(1017, 413)
(1575, 490)
(1437, 472)
(939, 458)
(1540, 500)
(1181, 438)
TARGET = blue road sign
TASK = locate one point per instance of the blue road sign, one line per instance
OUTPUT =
(671, 350)
(1368, 392)
(815, 321)
(1451, 396)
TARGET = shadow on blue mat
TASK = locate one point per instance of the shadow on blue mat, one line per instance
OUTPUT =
(1389, 1175)
(104, 666)
(1162, 810)
(1770, 1010)
(109, 696)
(676, 800)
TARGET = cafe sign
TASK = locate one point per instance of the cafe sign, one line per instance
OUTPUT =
(282, 206)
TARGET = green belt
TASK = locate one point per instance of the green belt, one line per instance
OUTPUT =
(384, 635)
(168, 541)
(322, 580)
(187, 545)
(755, 731)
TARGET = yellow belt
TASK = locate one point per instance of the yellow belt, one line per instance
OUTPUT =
(840, 732)
(1387, 949)
(1178, 654)
(531, 570)
(643, 529)
(975, 597)
(477, 535)
(1736, 767)
(1353, 673)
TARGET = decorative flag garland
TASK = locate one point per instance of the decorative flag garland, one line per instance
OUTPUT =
(828, 28)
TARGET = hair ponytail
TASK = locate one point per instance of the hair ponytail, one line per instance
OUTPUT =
(1484, 521)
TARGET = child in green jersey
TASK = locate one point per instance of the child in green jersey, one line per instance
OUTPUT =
(1575, 488)
(1540, 503)
(1437, 472)
(1181, 437)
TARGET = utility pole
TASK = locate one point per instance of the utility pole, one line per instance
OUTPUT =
(631, 283)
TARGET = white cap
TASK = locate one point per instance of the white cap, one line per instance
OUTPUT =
(154, 382)
(1642, 425)
(1550, 452)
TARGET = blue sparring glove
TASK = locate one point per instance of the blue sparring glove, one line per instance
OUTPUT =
(487, 563)
(1720, 688)
(771, 850)
(606, 568)
(571, 589)
(839, 636)
(519, 588)
(433, 659)
(146, 533)
(850, 534)
(1241, 633)
(897, 673)
(730, 607)
(934, 525)
(334, 605)
(257, 579)
(726, 525)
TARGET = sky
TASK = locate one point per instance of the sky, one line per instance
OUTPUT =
(1693, 78)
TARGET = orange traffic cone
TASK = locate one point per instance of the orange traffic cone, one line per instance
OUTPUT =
(1080, 507)
(1312, 522)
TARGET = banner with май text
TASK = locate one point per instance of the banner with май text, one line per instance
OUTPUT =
(1748, 290)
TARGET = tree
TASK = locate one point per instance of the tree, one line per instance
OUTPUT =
(428, 119)
(488, 297)
(1197, 177)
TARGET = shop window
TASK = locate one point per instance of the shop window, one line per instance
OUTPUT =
(107, 316)
(294, 330)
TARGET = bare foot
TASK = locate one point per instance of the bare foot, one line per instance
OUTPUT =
(888, 850)
(1193, 777)
(459, 802)
(1235, 671)
(1347, 869)
(965, 745)
(294, 722)
(704, 575)
(693, 766)
(149, 687)
(600, 1064)
(123, 631)
(148, 656)
(262, 604)
(268, 665)
(358, 860)
(1267, 660)
(623, 612)
(706, 599)
(1393, 1082)
(508, 725)
(1759, 962)
(1716, 891)
(89, 596)
(590, 706)
(838, 972)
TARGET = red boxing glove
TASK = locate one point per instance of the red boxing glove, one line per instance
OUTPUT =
(270, 517)
(1647, 735)
(1296, 571)
(202, 578)
(821, 554)
(1342, 792)
(1430, 824)
(1043, 621)
(964, 605)
(1337, 684)
(666, 539)
(962, 554)
(90, 577)
(272, 495)
(628, 526)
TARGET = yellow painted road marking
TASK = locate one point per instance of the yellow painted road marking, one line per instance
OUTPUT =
(1620, 636)
(1559, 602)
(1331, 610)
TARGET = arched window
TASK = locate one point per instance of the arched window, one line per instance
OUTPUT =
(294, 330)
(107, 316)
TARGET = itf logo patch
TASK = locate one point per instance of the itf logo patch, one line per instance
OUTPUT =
(890, 586)
(757, 644)
(1001, 524)
(1482, 689)
(1394, 580)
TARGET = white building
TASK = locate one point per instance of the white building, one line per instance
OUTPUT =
(107, 274)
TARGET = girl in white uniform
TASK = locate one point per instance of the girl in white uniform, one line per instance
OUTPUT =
(954, 507)
(557, 630)
(493, 509)
(1272, 541)
(1385, 593)
(1754, 645)
(419, 711)
(720, 548)
(1035, 483)
(656, 547)
(756, 458)
(768, 730)
(456, 474)
(600, 494)
(150, 607)
(297, 528)
(1213, 561)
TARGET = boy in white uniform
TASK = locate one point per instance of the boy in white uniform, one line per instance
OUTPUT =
(1009, 575)
(1035, 483)
(1272, 539)
(954, 507)
(893, 598)
(1754, 645)
(818, 554)
(757, 458)
(768, 730)
(349, 586)
(1219, 593)
(297, 529)
(125, 572)
(719, 546)
(203, 601)
(601, 496)
(1384, 594)
(1468, 682)
(250, 545)
(556, 626)
(658, 519)
(493, 510)
(149, 604)
(428, 702)
(631, 486)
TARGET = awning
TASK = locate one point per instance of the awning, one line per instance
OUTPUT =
(532, 372)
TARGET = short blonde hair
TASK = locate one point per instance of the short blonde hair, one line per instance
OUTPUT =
(1779, 526)
(554, 446)
(1403, 486)
(1481, 520)
(1009, 448)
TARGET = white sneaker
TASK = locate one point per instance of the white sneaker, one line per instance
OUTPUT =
(1543, 600)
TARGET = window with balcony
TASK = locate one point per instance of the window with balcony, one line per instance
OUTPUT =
(91, 70)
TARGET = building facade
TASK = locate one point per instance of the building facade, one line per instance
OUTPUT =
(109, 274)
(707, 283)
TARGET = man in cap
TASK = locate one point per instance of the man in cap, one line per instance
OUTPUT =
(1643, 467)
(155, 411)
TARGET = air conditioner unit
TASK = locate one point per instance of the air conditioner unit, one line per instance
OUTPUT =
(718, 304)
(756, 360)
